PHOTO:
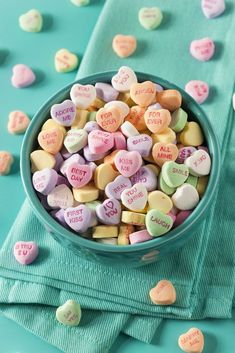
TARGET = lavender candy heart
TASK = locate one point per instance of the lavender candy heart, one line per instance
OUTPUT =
(184, 153)
(145, 176)
(64, 153)
(155, 106)
(91, 125)
(45, 180)
(58, 161)
(62, 180)
(141, 143)
(79, 218)
(64, 113)
(75, 158)
(91, 157)
(109, 212)
(115, 188)
(106, 92)
(58, 215)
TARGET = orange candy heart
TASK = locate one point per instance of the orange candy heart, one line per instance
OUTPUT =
(124, 46)
(164, 293)
(51, 140)
(109, 118)
(163, 152)
(143, 93)
(192, 341)
(170, 99)
(157, 120)
(136, 117)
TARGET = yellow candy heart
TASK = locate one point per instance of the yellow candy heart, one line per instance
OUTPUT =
(192, 135)
(104, 174)
(52, 124)
(41, 159)
(167, 136)
(65, 61)
(158, 200)
(87, 193)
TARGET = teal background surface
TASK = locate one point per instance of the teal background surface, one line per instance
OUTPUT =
(65, 26)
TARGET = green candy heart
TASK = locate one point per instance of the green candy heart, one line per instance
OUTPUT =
(150, 17)
(164, 187)
(174, 174)
(158, 223)
(69, 313)
(192, 180)
(178, 120)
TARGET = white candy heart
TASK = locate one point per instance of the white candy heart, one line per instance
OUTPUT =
(135, 198)
(199, 163)
(31, 21)
(69, 313)
(75, 140)
(60, 197)
(212, 8)
(83, 96)
(123, 80)
(186, 197)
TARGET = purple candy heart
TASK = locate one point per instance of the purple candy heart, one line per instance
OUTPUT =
(91, 125)
(62, 180)
(141, 143)
(58, 161)
(59, 217)
(78, 218)
(145, 176)
(91, 157)
(45, 180)
(106, 92)
(184, 153)
(116, 187)
(64, 153)
(64, 113)
(75, 158)
(109, 212)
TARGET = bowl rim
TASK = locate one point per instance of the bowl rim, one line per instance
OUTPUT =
(157, 242)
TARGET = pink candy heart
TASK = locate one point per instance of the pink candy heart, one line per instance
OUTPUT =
(109, 212)
(45, 180)
(127, 163)
(79, 218)
(25, 252)
(79, 174)
(212, 8)
(116, 187)
(141, 143)
(100, 141)
(199, 90)
(64, 113)
(202, 49)
(146, 177)
(23, 76)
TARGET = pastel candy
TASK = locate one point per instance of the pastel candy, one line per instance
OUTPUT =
(82, 95)
(159, 201)
(123, 80)
(145, 176)
(91, 157)
(184, 153)
(69, 313)
(100, 141)
(75, 158)
(174, 174)
(109, 118)
(80, 2)
(52, 124)
(64, 113)
(181, 217)
(135, 198)
(202, 49)
(178, 120)
(109, 212)
(164, 187)
(79, 218)
(60, 197)
(137, 219)
(115, 188)
(192, 341)
(58, 215)
(31, 21)
(45, 180)
(143, 93)
(163, 152)
(167, 136)
(202, 184)
(141, 143)
(6, 161)
(78, 174)
(192, 134)
(119, 141)
(163, 293)
(198, 90)
(186, 197)
(91, 126)
(106, 92)
(127, 163)
(158, 223)
(106, 231)
(124, 46)
(18, 122)
(140, 236)
(123, 235)
(75, 140)
(150, 17)
(88, 193)
(22, 76)
(122, 106)
(62, 180)
(128, 129)
(193, 180)
(199, 163)
(170, 99)
(157, 120)
(41, 159)
(212, 8)
(81, 118)
(25, 252)
(51, 140)
(65, 61)
(136, 117)
(104, 174)
(108, 241)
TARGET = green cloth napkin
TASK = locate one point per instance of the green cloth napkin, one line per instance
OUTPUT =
(203, 271)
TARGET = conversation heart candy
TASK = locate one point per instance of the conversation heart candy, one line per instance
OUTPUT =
(185, 152)
(109, 119)
(69, 313)
(60, 197)
(22, 76)
(124, 79)
(79, 218)
(186, 197)
(104, 174)
(192, 341)
(122, 106)
(164, 187)
(124, 46)
(31, 21)
(88, 193)
(100, 141)
(212, 8)
(6, 161)
(140, 236)
(45, 180)
(202, 49)
(80, 2)
(167, 136)
(128, 129)
(91, 125)
(109, 212)
(65, 61)
(135, 198)
(199, 163)
(119, 140)
(135, 218)
(51, 140)
(51, 124)
(115, 188)
(18, 122)
(157, 120)
(181, 217)
(75, 158)
(64, 113)
(178, 120)
(25, 252)
(150, 17)
(143, 93)
(163, 152)
(159, 201)
(75, 140)
(146, 177)
(174, 174)
(170, 99)
(136, 117)
(91, 157)
(127, 163)
(82, 96)
(78, 175)
(141, 143)
(158, 223)
(106, 92)
(197, 89)
(192, 134)
(104, 231)
(41, 159)
(163, 293)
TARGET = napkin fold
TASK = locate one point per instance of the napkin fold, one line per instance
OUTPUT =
(203, 271)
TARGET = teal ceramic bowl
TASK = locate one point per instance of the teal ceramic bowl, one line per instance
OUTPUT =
(132, 255)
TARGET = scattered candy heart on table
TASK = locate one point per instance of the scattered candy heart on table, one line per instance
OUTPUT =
(18, 122)
(212, 8)
(25, 252)
(163, 293)
(124, 46)
(6, 161)
(197, 89)
(31, 21)
(69, 313)
(192, 341)
(202, 49)
(65, 61)
(23, 76)
(64, 113)
(150, 17)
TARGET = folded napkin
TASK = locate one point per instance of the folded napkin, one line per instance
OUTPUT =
(203, 271)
